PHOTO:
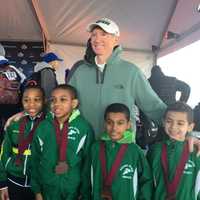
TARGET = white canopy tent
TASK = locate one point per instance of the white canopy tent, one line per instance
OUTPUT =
(62, 25)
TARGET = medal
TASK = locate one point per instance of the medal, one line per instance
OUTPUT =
(171, 197)
(62, 140)
(106, 193)
(61, 167)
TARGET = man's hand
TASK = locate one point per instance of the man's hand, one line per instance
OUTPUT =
(38, 196)
(194, 142)
(15, 117)
(4, 194)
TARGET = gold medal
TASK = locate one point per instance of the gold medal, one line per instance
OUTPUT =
(106, 193)
(171, 197)
(61, 167)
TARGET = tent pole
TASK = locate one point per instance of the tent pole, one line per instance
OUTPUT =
(42, 22)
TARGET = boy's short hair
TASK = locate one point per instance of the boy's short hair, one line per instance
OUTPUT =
(181, 107)
(117, 108)
(35, 87)
(69, 88)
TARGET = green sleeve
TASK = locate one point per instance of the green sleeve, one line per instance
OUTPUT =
(96, 174)
(150, 154)
(6, 151)
(147, 100)
(35, 160)
(145, 179)
(85, 189)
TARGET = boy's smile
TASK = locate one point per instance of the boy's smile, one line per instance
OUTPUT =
(176, 125)
(32, 101)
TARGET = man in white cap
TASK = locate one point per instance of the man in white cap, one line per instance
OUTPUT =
(44, 73)
(103, 78)
(106, 78)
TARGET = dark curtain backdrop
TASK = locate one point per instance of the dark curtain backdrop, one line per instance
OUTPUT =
(23, 55)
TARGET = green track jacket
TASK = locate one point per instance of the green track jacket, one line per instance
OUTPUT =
(9, 150)
(45, 158)
(133, 179)
(189, 186)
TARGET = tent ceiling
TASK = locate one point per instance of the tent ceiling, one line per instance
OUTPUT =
(142, 23)
(18, 22)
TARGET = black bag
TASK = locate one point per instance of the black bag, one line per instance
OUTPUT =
(147, 132)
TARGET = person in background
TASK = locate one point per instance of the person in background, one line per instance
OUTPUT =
(60, 154)
(11, 80)
(119, 167)
(170, 90)
(166, 87)
(15, 151)
(175, 170)
(104, 78)
(44, 73)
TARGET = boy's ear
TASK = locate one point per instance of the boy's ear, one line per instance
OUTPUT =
(191, 126)
(75, 103)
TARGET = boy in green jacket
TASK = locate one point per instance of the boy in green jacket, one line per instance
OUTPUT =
(119, 168)
(176, 172)
(60, 151)
(16, 148)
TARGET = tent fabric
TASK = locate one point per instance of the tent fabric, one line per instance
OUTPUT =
(142, 24)
(18, 22)
(71, 54)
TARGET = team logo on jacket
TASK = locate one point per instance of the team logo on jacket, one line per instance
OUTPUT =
(73, 132)
(127, 171)
(189, 167)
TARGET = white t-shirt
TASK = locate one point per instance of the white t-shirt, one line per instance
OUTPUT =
(100, 66)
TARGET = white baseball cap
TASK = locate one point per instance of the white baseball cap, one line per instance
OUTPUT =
(106, 24)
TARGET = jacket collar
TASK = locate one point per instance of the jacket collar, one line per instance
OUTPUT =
(33, 118)
(75, 113)
(128, 137)
(116, 53)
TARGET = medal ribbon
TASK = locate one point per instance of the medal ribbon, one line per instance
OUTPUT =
(61, 139)
(25, 141)
(173, 185)
(108, 177)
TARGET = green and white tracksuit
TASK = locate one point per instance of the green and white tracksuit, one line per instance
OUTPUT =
(45, 156)
(189, 186)
(18, 174)
(133, 179)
